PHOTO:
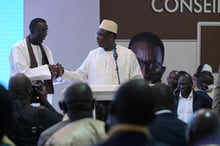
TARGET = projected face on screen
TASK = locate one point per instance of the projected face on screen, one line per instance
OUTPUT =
(149, 52)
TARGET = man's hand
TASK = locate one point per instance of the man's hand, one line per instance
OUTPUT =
(59, 69)
(56, 70)
(53, 71)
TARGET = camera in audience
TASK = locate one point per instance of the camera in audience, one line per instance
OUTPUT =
(36, 92)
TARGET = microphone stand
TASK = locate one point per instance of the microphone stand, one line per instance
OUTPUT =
(115, 55)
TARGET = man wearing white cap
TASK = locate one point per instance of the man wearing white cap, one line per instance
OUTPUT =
(99, 68)
(108, 64)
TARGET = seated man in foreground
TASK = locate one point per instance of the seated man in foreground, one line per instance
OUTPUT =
(130, 113)
(31, 121)
(82, 129)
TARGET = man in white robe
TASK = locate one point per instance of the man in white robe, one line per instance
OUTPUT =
(108, 64)
(31, 57)
(99, 68)
(20, 61)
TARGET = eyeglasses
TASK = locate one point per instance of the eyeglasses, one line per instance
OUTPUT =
(44, 31)
(151, 65)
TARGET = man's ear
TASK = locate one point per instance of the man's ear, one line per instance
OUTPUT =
(93, 103)
(60, 103)
(64, 107)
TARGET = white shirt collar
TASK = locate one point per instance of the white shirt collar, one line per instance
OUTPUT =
(190, 95)
(163, 111)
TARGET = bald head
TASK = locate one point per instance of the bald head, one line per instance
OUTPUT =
(20, 84)
(203, 127)
(78, 92)
(163, 97)
(78, 99)
(134, 103)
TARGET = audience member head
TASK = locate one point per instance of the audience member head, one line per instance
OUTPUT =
(61, 104)
(205, 81)
(38, 30)
(133, 103)
(61, 100)
(203, 67)
(6, 112)
(20, 87)
(149, 51)
(172, 79)
(78, 101)
(185, 83)
(163, 97)
(204, 128)
(106, 34)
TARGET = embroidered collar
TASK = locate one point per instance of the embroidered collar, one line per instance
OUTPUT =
(129, 127)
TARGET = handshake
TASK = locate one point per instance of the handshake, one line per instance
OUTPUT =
(56, 70)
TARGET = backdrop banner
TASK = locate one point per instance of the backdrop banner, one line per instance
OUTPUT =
(170, 19)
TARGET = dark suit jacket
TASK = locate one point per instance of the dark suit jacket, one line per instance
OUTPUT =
(31, 121)
(128, 138)
(168, 129)
(200, 100)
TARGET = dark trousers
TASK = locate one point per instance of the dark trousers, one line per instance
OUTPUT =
(102, 109)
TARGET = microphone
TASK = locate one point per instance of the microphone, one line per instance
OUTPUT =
(115, 55)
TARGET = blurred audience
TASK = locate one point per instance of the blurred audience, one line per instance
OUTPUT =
(31, 121)
(189, 100)
(132, 110)
(167, 127)
(200, 69)
(45, 135)
(204, 129)
(172, 80)
(82, 130)
(205, 83)
(6, 118)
